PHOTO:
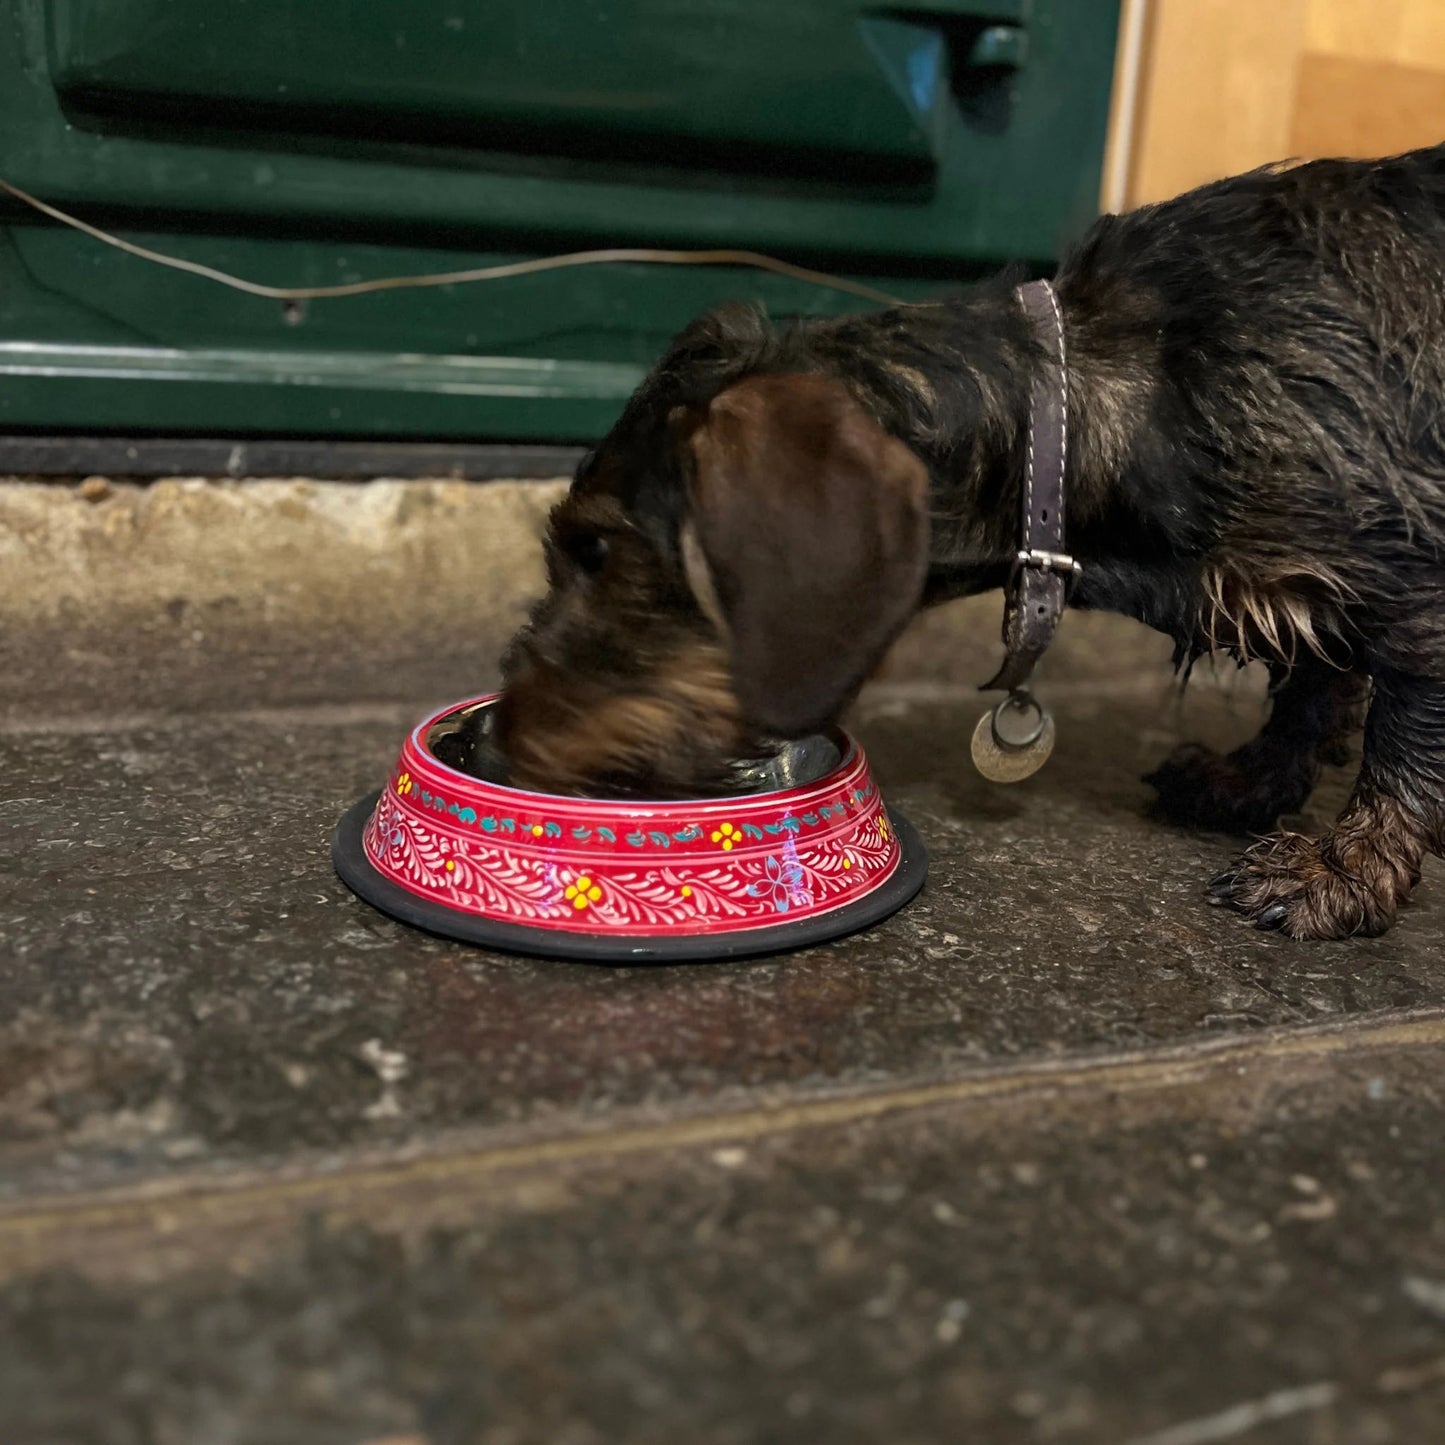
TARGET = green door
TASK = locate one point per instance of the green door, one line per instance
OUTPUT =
(308, 142)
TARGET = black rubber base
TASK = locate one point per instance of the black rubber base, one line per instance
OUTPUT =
(356, 871)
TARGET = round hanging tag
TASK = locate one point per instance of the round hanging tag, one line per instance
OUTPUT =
(1013, 740)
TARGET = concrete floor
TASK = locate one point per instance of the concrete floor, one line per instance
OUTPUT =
(1058, 1154)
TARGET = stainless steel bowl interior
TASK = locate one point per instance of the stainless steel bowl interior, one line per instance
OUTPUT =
(463, 740)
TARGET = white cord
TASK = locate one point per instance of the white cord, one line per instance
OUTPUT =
(646, 256)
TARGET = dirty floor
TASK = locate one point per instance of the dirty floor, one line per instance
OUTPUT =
(1059, 1154)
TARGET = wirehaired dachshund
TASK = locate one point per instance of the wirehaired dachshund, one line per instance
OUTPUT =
(1256, 466)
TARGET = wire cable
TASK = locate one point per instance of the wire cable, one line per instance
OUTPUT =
(608, 256)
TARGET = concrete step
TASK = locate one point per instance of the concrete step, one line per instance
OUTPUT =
(187, 981)
(1216, 1242)
(1057, 1154)
(194, 593)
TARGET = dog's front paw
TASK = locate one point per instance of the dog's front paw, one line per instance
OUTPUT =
(1241, 793)
(1299, 886)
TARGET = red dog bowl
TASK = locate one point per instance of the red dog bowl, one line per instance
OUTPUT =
(808, 853)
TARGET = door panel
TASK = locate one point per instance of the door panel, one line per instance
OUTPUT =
(305, 142)
(745, 83)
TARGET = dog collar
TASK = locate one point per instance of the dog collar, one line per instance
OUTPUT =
(1038, 583)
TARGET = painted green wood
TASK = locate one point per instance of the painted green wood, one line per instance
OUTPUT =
(1018, 161)
(756, 82)
(93, 340)
(908, 145)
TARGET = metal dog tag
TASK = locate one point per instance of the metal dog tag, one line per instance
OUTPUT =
(1013, 740)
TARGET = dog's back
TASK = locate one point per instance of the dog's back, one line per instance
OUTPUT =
(1299, 314)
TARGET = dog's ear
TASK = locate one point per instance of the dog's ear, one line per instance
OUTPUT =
(813, 522)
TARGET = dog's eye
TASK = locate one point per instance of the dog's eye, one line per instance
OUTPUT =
(589, 551)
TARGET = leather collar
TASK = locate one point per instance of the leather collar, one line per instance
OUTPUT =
(1038, 586)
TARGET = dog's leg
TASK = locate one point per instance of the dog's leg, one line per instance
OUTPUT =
(1353, 879)
(1315, 709)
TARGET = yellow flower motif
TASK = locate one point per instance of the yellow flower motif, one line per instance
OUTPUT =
(847, 862)
(536, 830)
(726, 836)
(404, 784)
(686, 891)
(451, 865)
(583, 893)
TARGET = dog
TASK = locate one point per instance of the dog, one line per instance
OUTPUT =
(1256, 466)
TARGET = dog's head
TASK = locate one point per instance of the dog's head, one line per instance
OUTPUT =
(728, 567)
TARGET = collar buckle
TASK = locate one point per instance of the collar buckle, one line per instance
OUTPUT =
(1059, 562)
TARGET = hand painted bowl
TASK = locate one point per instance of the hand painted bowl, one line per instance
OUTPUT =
(806, 853)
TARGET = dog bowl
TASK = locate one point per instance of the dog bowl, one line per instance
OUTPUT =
(803, 853)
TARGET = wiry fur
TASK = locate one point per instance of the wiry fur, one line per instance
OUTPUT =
(1271, 615)
(628, 736)
(1257, 464)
